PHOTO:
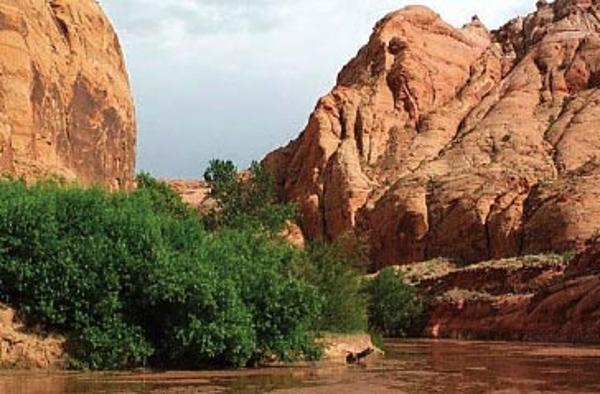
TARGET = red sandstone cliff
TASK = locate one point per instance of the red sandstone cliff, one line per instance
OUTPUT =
(462, 143)
(65, 102)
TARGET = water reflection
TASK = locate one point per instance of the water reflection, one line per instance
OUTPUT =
(409, 367)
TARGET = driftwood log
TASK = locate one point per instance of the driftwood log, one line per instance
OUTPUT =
(355, 358)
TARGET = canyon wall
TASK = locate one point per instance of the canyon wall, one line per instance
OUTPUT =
(464, 143)
(65, 103)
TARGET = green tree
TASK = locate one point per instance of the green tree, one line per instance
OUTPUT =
(162, 197)
(245, 200)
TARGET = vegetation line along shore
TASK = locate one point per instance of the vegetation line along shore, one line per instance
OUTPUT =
(138, 279)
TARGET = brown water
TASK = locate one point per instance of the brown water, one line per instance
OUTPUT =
(409, 367)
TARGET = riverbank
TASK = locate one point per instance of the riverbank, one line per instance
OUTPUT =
(409, 367)
(22, 349)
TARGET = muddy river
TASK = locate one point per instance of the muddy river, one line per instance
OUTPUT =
(409, 367)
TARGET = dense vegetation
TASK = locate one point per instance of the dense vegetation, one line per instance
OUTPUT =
(394, 309)
(338, 275)
(138, 278)
(130, 279)
(248, 201)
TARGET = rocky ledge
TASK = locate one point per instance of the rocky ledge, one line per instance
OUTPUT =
(546, 298)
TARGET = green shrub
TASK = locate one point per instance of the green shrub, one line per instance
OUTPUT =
(138, 278)
(130, 277)
(112, 344)
(394, 309)
(284, 308)
(338, 277)
(162, 197)
(249, 201)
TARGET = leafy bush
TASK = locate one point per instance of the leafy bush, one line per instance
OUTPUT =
(249, 201)
(132, 277)
(394, 309)
(245, 200)
(338, 277)
(284, 308)
(162, 197)
(112, 344)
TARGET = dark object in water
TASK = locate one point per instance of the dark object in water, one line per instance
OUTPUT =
(355, 358)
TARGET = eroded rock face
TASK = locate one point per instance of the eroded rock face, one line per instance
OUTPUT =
(461, 143)
(65, 102)
(530, 298)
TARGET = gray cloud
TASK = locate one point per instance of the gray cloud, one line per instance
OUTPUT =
(207, 17)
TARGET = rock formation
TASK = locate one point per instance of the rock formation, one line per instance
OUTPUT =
(462, 143)
(196, 194)
(65, 102)
(539, 298)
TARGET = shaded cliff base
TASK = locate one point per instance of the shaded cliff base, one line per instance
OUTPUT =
(547, 298)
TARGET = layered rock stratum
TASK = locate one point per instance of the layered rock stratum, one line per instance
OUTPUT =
(464, 143)
(535, 298)
(65, 104)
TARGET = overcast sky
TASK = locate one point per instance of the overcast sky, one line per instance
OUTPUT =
(237, 78)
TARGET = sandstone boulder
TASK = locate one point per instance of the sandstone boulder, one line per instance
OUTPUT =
(23, 349)
(65, 102)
